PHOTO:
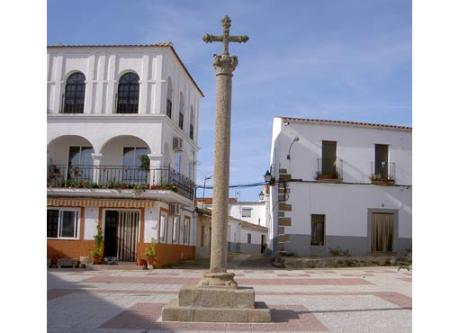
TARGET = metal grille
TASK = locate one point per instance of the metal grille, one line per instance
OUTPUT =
(127, 235)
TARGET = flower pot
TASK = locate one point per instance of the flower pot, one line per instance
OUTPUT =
(97, 260)
(151, 261)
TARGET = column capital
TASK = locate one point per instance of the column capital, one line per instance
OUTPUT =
(225, 64)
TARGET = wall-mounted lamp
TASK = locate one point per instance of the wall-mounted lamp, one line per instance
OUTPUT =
(261, 196)
(268, 178)
(296, 139)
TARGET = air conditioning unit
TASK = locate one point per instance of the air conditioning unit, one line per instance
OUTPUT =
(174, 209)
(177, 144)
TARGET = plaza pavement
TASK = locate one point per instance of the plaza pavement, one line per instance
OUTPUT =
(345, 300)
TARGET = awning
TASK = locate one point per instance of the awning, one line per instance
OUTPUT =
(94, 202)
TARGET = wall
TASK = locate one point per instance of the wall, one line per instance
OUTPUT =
(258, 215)
(355, 146)
(346, 215)
(345, 205)
(102, 67)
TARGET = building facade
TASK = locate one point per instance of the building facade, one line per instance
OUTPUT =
(242, 236)
(121, 151)
(340, 186)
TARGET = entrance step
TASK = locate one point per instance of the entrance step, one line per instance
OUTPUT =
(121, 266)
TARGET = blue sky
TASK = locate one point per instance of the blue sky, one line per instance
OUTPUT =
(327, 59)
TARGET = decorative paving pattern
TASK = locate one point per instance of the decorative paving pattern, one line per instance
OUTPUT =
(339, 300)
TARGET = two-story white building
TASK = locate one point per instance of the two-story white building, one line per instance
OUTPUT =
(121, 151)
(339, 185)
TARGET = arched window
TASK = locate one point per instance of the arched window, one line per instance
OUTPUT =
(181, 113)
(169, 98)
(191, 123)
(74, 93)
(128, 93)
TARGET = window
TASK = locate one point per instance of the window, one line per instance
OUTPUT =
(169, 98)
(178, 162)
(163, 228)
(246, 212)
(62, 223)
(249, 238)
(191, 123)
(128, 93)
(74, 93)
(187, 230)
(202, 236)
(176, 229)
(329, 159)
(80, 163)
(317, 229)
(181, 113)
(381, 161)
(131, 159)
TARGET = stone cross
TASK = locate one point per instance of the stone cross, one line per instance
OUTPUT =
(224, 65)
(217, 297)
(225, 38)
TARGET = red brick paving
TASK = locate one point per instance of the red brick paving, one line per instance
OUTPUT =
(56, 293)
(284, 318)
(396, 298)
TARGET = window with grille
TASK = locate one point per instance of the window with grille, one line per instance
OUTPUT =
(169, 98)
(74, 93)
(191, 123)
(163, 228)
(317, 229)
(246, 212)
(181, 112)
(128, 93)
(249, 238)
(62, 223)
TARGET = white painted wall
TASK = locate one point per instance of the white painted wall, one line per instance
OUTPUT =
(258, 215)
(345, 205)
(102, 67)
(90, 222)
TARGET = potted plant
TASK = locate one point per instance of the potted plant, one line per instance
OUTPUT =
(97, 253)
(150, 254)
(145, 162)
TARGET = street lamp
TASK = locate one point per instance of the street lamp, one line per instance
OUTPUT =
(261, 196)
(204, 185)
(268, 179)
(296, 139)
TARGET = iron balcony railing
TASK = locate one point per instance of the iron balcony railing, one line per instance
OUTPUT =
(120, 177)
(329, 169)
(383, 171)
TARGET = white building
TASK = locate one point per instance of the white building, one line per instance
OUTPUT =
(122, 150)
(247, 230)
(243, 237)
(250, 211)
(340, 184)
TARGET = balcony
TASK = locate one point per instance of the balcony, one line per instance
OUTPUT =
(329, 169)
(119, 177)
(383, 173)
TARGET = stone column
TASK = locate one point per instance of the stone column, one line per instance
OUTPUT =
(218, 276)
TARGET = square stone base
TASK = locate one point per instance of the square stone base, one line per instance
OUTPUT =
(200, 304)
(173, 312)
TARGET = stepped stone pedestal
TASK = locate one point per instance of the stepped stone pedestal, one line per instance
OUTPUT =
(209, 304)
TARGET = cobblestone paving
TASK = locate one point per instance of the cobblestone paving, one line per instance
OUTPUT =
(375, 299)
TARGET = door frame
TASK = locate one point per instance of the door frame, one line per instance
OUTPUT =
(394, 212)
(126, 210)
